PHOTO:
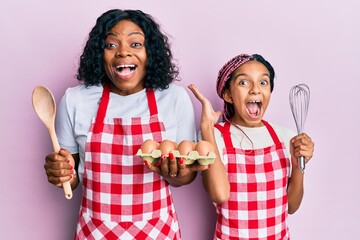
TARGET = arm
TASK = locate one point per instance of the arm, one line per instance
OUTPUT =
(300, 145)
(186, 130)
(215, 178)
(174, 171)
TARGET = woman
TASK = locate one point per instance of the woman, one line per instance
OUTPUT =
(126, 97)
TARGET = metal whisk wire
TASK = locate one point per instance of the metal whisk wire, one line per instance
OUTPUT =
(299, 98)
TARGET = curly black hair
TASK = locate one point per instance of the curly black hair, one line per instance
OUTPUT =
(160, 68)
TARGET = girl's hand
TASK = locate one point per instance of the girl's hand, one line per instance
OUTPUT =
(59, 167)
(208, 115)
(301, 145)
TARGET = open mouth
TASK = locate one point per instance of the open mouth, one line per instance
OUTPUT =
(254, 108)
(125, 70)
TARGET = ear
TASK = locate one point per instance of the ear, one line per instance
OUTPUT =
(227, 97)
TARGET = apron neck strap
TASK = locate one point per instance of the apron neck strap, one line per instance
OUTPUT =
(273, 135)
(104, 101)
(151, 101)
(225, 131)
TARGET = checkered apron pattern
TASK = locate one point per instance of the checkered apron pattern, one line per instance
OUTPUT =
(257, 208)
(122, 199)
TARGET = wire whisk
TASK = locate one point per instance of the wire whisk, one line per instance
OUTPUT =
(299, 98)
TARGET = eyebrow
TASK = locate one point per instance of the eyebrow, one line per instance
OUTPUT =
(130, 34)
(244, 74)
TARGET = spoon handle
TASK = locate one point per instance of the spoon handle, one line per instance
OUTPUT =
(66, 185)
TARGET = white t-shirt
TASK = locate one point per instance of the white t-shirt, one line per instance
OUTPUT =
(259, 136)
(79, 106)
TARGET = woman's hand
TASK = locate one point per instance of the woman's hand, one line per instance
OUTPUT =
(174, 170)
(59, 168)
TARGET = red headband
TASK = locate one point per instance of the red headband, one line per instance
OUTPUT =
(228, 69)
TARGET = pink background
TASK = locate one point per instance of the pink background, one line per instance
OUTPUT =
(315, 42)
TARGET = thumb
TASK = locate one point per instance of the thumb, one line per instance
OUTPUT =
(218, 114)
(68, 156)
(196, 92)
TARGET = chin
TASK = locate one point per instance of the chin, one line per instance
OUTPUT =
(254, 122)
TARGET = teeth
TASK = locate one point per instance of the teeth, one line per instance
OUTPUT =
(255, 101)
(126, 65)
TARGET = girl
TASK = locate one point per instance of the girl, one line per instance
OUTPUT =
(256, 181)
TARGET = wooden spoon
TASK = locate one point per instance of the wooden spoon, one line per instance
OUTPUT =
(45, 107)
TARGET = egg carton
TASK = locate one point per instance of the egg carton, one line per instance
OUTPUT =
(154, 157)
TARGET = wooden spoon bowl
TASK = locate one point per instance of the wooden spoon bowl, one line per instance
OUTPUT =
(45, 107)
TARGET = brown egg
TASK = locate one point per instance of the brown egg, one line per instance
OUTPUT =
(149, 145)
(185, 147)
(166, 146)
(204, 147)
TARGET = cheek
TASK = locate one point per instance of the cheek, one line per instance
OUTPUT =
(142, 67)
(106, 65)
(106, 57)
(266, 101)
(240, 104)
(144, 57)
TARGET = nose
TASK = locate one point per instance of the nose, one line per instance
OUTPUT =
(254, 89)
(123, 51)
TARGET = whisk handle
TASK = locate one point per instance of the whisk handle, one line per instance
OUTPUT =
(302, 164)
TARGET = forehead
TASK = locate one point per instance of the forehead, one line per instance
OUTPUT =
(251, 67)
(126, 27)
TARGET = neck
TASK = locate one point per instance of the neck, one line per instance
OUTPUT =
(249, 124)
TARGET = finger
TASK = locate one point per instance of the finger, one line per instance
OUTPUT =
(183, 170)
(64, 152)
(68, 156)
(57, 161)
(152, 167)
(173, 168)
(58, 181)
(218, 114)
(304, 151)
(197, 93)
(302, 144)
(198, 167)
(302, 137)
(164, 167)
(58, 164)
(299, 143)
(59, 172)
(54, 157)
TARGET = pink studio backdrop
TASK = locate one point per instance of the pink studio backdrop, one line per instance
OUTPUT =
(316, 42)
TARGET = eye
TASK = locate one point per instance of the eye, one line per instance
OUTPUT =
(110, 45)
(243, 82)
(264, 82)
(136, 44)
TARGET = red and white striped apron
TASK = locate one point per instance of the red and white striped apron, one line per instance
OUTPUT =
(257, 208)
(122, 199)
